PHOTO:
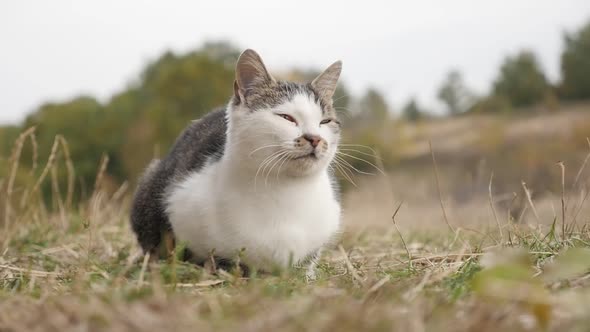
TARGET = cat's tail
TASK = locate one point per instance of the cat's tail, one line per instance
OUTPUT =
(148, 219)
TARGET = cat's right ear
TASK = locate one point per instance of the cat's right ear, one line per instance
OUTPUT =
(250, 72)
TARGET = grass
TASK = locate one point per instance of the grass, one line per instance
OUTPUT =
(79, 268)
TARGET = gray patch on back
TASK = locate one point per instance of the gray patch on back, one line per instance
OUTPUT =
(201, 141)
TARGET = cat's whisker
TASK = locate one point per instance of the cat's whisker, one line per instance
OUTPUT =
(263, 163)
(350, 166)
(344, 174)
(274, 164)
(282, 161)
(358, 145)
(343, 111)
(362, 160)
(360, 152)
(263, 147)
(288, 157)
(345, 167)
(270, 162)
(343, 96)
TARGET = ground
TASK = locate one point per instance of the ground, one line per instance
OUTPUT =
(83, 271)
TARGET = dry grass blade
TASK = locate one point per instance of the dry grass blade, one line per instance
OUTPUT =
(14, 161)
(202, 284)
(57, 142)
(440, 198)
(530, 201)
(146, 259)
(355, 277)
(29, 271)
(562, 167)
(35, 156)
(104, 161)
(581, 170)
(493, 206)
(400, 233)
(70, 169)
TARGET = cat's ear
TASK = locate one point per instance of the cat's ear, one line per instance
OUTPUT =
(326, 82)
(250, 72)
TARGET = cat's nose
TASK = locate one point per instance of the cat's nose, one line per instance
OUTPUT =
(314, 140)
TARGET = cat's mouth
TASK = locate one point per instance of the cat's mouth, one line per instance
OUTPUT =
(311, 155)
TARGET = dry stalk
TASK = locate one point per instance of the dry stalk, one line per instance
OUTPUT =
(562, 167)
(530, 200)
(104, 161)
(48, 165)
(492, 205)
(585, 195)
(14, 161)
(70, 169)
(355, 277)
(440, 198)
(400, 233)
(146, 259)
(57, 197)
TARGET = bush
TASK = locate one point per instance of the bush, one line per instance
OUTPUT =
(521, 80)
(575, 65)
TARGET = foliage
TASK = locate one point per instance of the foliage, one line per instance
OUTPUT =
(412, 111)
(372, 107)
(521, 80)
(141, 121)
(492, 104)
(455, 94)
(575, 64)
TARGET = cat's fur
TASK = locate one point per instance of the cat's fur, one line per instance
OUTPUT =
(251, 178)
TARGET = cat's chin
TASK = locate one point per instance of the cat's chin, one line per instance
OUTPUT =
(306, 165)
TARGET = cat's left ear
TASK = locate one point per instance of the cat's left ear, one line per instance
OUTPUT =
(250, 73)
(326, 82)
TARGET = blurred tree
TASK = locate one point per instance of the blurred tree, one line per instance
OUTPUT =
(491, 104)
(521, 80)
(7, 136)
(373, 107)
(172, 91)
(144, 118)
(454, 93)
(412, 112)
(78, 121)
(221, 51)
(575, 64)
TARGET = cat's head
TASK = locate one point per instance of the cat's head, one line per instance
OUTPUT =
(283, 127)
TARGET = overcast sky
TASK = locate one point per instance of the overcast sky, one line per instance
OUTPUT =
(54, 50)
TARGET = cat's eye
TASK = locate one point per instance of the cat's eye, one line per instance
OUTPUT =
(325, 121)
(288, 118)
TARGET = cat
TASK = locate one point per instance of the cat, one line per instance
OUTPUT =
(251, 180)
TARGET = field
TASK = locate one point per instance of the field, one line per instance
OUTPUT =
(410, 258)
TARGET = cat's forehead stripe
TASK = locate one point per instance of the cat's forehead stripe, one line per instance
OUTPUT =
(273, 94)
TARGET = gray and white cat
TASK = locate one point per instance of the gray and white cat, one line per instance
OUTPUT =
(251, 178)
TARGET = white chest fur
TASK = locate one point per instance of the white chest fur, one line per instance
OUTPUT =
(276, 223)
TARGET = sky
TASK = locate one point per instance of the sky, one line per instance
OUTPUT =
(55, 50)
